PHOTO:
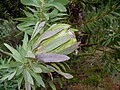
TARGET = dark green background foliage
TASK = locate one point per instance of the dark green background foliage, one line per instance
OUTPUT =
(8, 33)
(99, 23)
(6, 29)
(10, 9)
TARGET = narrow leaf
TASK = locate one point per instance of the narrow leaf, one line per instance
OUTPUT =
(36, 68)
(45, 69)
(12, 64)
(24, 19)
(35, 3)
(70, 49)
(55, 43)
(16, 54)
(66, 75)
(20, 82)
(46, 15)
(12, 75)
(25, 42)
(116, 13)
(56, 19)
(27, 84)
(64, 2)
(54, 13)
(5, 77)
(28, 14)
(52, 85)
(46, 35)
(62, 14)
(30, 54)
(51, 57)
(26, 23)
(37, 29)
(62, 66)
(29, 78)
(56, 66)
(32, 10)
(37, 77)
(57, 5)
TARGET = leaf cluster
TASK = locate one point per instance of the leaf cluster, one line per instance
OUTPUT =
(50, 11)
(39, 55)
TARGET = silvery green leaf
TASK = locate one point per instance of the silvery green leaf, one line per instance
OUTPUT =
(55, 26)
(24, 19)
(61, 14)
(35, 3)
(50, 74)
(27, 83)
(10, 65)
(5, 77)
(45, 69)
(57, 5)
(20, 82)
(70, 33)
(25, 42)
(15, 54)
(32, 10)
(29, 77)
(37, 77)
(64, 2)
(20, 69)
(36, 68)
(12, 75)
(37, 29)
(70, 49)
(55, 43)
(28, 14)
(51, 57)
(30, 54)
(28, 30)
(46, 16)
(53, 13)
(56, 19)
(66, 75)
(26, 23)
(46, 35)
(52, 27)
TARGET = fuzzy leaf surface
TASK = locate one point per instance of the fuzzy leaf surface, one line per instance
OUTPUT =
(51, 57)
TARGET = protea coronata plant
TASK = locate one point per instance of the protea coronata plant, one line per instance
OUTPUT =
(38, 57)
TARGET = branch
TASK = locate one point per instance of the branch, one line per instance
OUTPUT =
(99, 17)
(87, 45)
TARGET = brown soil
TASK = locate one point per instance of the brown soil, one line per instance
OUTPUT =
(107, 84)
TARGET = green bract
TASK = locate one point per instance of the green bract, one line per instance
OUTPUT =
(62, 38)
